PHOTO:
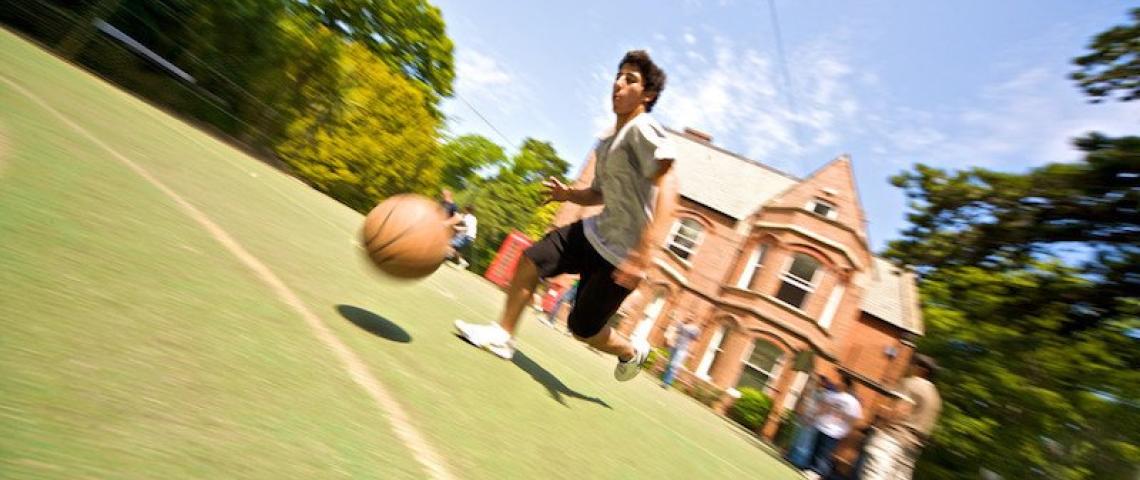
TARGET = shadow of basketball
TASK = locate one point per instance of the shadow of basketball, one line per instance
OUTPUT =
(374, 324)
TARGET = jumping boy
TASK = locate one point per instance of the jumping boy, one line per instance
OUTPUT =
(634, 179)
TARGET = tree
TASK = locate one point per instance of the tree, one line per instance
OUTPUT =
(513, 199)
(1113, 67)
(1042, 364)
(1028, 342)
(409, 35)
(536, 161)
(364, 136)
(1002, 220)
(1020, 394)
(463, 157)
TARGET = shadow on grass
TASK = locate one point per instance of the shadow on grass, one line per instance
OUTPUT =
(373, 323)
(553, 384)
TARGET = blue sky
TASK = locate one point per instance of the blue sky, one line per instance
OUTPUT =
(951, 84)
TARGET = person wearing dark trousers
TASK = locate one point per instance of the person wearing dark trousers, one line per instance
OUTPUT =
(839, 411)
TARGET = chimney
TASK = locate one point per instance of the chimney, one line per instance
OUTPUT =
(697, 135)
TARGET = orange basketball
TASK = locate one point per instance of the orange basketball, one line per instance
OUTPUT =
(405, 236)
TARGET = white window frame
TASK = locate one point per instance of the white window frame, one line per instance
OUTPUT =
(832, 306)
(772, 374)
(809, 287)
(755, 263)
(676, 230)
(650, 315)
(832, 211)
(714, 349)
(797, 389)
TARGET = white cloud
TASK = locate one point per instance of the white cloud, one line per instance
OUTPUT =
(740, 98)
(598, 100)
(487, 85)
(476, 70)
(690, 39)
(490, 92)
(1028, 119)
(913, 139)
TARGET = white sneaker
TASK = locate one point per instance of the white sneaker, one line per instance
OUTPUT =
(625, 371)
(490, 337)
(463, 264)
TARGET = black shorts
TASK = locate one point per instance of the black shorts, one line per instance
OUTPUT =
(567, 250)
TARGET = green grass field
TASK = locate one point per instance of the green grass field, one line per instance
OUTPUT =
(136, 345)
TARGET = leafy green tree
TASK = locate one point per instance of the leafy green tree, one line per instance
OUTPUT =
(1031, 296)
(409, 35)
(365, 136)
(1040, 368)
(997, 219)
(1021, 395)
(513, 199)
(463, 157)
(536, 161)
(1113, 66)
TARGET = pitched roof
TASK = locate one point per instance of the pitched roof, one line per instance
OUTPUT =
(724, 181)
(892, 297)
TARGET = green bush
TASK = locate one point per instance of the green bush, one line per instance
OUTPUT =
(751, 409)
(657, 358)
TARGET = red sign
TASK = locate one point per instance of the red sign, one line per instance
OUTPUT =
(502, 268)
(553, 291)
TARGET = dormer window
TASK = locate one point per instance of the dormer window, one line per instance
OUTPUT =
(823, 208)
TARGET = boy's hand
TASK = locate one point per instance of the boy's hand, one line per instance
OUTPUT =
(631, 271)
(556, 191)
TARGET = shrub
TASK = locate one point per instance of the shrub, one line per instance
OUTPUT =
(751, 409)
(656, 361)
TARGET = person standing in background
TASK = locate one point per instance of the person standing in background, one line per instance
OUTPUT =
(682, 336)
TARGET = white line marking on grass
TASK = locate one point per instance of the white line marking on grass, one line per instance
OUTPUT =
(401, 422)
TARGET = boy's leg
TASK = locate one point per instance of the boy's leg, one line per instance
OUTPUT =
(498, 338)
(598, 299)
(519, 294)
(611, 342)
(550, 256)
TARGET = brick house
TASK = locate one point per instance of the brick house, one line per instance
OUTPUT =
(779, 273)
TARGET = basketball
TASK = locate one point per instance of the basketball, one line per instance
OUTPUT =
(405, 236)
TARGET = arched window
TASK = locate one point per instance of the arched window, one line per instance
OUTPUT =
(799, 280)
(762, 367)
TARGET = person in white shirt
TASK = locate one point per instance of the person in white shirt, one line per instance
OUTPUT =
(465, 230)
(839, 410)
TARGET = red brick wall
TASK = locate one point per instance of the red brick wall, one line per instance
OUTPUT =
(865, 350)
